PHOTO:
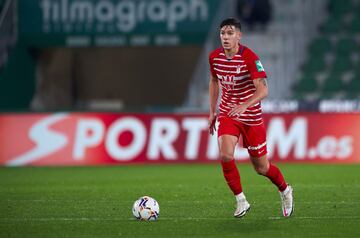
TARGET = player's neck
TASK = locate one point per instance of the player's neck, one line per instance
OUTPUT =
(231, 52)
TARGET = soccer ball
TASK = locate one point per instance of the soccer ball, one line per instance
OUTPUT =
(146, 208)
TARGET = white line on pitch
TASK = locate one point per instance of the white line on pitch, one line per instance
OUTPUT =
(180, 201)
(174, 218)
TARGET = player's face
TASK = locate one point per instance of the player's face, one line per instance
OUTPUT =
(230, 37)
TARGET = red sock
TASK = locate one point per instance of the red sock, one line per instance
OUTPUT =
(276, 177)
(232, 176)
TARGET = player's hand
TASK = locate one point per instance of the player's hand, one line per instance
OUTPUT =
(237, 110)
(212, 121)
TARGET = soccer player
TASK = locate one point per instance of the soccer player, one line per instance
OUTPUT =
(242, 78)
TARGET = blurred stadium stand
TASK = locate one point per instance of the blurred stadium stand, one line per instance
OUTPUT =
(17, 77)
(43, 72)
(310, 50)
(331, 69)
(7, 28)
(281, 48)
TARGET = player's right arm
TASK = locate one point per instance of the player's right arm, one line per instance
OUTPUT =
(213, 95)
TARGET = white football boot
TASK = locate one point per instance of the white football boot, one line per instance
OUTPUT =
(287, 201)
(242, 207)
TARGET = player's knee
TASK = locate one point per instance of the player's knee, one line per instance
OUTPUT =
(261, 170)
(226, 157)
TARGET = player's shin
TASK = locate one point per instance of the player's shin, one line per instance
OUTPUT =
(232, 176)
(276, 177)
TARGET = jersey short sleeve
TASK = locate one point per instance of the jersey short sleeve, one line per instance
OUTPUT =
(211, 63)
(254, 65)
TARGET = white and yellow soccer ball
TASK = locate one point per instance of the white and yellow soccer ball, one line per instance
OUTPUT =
(146, 208)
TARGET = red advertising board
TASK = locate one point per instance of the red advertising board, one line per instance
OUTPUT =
(109, 138)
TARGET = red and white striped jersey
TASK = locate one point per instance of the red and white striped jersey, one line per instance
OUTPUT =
(236, 77)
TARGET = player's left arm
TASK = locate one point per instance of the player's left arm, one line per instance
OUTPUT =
(260, 93)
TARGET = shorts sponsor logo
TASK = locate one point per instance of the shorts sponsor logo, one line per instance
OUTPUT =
(257, 147)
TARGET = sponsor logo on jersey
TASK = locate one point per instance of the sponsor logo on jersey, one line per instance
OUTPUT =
(259, 66)
(227, 81)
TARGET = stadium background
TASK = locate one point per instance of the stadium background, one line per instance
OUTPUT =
(124, 84)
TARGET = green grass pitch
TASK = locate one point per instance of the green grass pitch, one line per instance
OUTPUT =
(194, 202)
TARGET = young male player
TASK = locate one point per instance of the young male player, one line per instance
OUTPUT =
(242, 78)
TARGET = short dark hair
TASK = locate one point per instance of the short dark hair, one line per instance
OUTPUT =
(231, 22)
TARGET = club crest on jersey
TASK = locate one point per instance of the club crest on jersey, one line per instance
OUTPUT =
(238, 69)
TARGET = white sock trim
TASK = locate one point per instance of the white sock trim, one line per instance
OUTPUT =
(240, 197)
(285, 191)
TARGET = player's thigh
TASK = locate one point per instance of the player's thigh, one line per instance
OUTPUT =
(254, 138)
(228, 135)
(228, 126)
(227, 144)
